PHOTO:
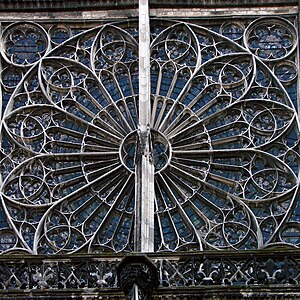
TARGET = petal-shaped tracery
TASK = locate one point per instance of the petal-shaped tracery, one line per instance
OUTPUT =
(224, 137)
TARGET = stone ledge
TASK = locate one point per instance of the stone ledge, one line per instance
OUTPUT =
(37, 5)
(271, 271)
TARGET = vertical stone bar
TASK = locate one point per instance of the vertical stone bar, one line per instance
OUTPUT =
(144, 219)
(144, 65)
(134, 295)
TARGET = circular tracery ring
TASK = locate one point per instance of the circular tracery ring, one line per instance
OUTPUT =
(20, 36)
(223, 138)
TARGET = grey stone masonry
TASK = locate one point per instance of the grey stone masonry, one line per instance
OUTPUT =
(25, 5)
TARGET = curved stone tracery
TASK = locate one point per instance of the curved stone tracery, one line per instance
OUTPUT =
(224, 136)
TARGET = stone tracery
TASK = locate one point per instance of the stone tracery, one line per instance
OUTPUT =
(225, 127)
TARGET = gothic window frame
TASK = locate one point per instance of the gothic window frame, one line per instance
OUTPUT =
(69, 136)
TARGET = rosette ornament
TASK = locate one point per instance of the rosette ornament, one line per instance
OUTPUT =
(223, 137)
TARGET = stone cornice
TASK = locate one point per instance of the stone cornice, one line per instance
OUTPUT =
(35, 5)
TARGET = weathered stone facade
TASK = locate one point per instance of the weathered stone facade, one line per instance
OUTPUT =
(195, 270)
(15, 5)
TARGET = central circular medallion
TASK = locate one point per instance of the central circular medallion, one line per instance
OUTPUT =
(160, 149)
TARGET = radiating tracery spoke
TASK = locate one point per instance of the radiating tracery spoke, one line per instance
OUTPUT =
(223, 137)
(72, 131)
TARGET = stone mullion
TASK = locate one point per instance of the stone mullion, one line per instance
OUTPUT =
(144, 218)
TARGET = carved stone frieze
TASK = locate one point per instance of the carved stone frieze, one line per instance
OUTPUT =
(195, 273)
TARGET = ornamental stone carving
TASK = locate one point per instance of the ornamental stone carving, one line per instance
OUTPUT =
(224, 135)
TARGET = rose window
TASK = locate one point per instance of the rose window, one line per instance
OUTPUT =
(223, 132)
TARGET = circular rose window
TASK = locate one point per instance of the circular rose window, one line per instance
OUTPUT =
(224, 137)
